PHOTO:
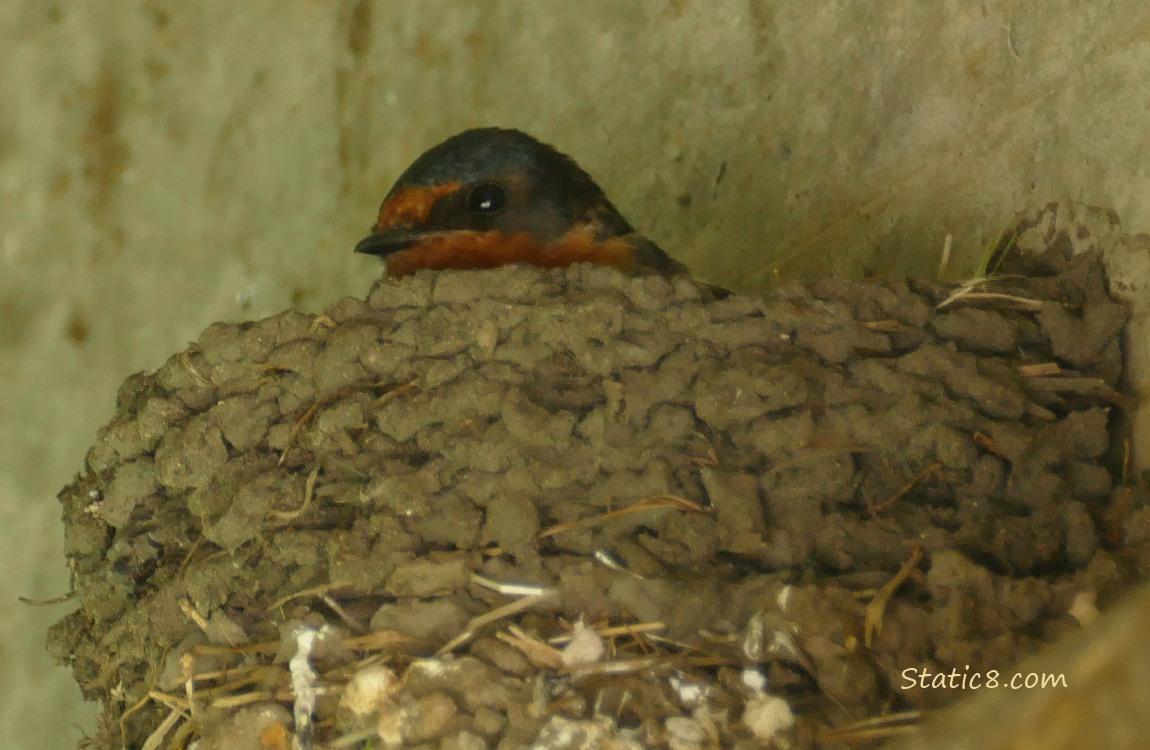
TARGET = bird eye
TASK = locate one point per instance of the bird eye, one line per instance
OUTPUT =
(486, 198)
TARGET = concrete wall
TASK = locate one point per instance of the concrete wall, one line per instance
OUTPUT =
(164, 165)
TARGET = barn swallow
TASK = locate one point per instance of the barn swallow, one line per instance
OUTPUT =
(489, 196)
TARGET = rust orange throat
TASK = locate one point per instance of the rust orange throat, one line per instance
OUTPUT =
(408, 252)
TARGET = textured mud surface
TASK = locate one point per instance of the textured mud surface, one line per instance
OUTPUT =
(735, 478)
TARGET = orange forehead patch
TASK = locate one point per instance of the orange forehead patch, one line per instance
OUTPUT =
(490, 249)
(411, 206)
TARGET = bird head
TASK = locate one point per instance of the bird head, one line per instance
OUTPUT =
(491, 196)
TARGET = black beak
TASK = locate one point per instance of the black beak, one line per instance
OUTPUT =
(389, 241)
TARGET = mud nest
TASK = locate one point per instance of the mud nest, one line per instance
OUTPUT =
(569, 508)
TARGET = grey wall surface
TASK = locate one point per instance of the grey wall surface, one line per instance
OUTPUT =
(164, 165)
